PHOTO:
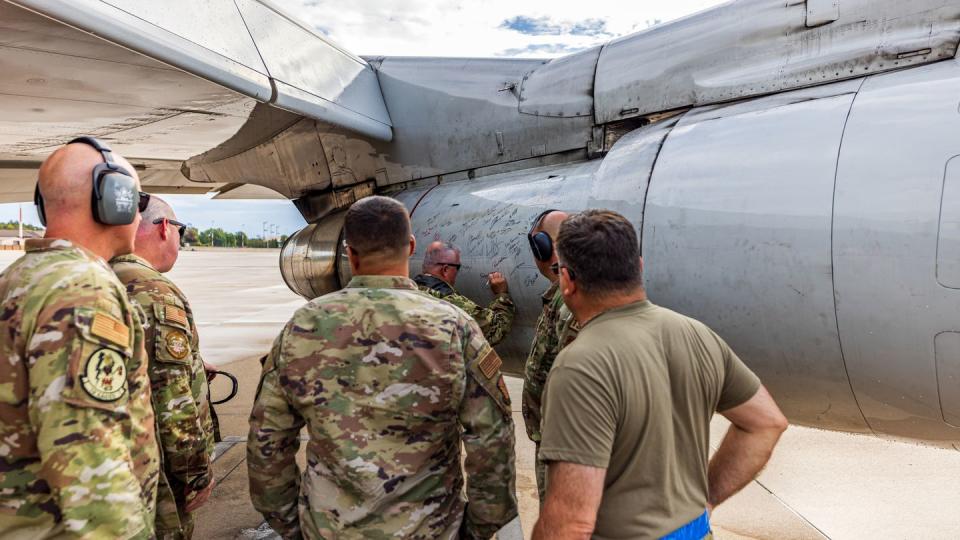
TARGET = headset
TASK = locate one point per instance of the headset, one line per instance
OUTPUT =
(115, 199)
(540, 244)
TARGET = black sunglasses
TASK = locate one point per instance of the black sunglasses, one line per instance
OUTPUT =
(143, 202)
(452, 265)
(181, 227)
(555, 268)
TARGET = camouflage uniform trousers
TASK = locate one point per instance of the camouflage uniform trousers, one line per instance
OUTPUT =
(78, 454)
(556, 329)
(392, 386)
(495, 320)
(178, 380)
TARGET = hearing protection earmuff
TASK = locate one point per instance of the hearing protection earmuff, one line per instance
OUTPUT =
(540, 244)
(115, 199)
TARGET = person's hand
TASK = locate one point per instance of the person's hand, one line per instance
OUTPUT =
(497, 283)
(210, 369)
(196, 499)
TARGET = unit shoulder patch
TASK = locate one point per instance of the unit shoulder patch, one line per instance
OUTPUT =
(110, 329)
(104, 375)
(175, 314)
(177, 344)
(490, 364)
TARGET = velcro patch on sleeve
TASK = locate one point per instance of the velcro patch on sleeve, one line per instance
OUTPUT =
(175, 314)
(502, 385)
(110, 329)
(490, 364)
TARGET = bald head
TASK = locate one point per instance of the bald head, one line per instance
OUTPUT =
(65, 182)
(550, 224)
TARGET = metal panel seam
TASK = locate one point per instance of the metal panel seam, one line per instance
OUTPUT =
(425, 193)
(833, 255)
(386, 106)
(273, 85)
(653, 167)
(593, 92)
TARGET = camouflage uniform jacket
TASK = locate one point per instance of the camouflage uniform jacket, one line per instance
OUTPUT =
(78, 453)
(556, 328)
(179, 383)
(388, 381)
(495, 320)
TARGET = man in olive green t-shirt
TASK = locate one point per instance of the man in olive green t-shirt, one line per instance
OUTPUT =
(627, 406)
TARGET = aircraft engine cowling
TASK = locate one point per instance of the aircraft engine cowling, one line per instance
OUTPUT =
(312, 261)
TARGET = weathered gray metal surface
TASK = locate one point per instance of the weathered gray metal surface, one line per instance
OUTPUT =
(488, 219)
(890, 180)
(561, 87)
(248, 46)
(948, 237)
(737, 234)
(452, 114)
(59, 82)
(755, 47)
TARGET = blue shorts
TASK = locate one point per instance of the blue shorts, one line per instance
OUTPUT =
(695, 530)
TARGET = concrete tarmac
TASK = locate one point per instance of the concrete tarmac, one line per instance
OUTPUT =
(818, 485)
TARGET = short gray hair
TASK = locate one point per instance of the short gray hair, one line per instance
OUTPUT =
(435, 255)
(157, 208)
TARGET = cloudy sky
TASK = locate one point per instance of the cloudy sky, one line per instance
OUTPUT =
(505, 28)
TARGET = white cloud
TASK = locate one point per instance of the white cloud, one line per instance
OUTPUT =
(475, 28)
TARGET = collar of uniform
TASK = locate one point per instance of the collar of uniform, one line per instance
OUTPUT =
(382, 282)
(551, 292)
(613, 313)
(431, 281)
(50, 244)
(131, 258)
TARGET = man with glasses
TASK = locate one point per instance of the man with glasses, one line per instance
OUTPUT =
(79, 456)
(556, 328)
(441, 264)
(184, 422)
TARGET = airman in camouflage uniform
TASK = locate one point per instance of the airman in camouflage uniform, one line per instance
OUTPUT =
(177, 377)
(441, 263)
(389, 383)
(556, 329)
(78, 454)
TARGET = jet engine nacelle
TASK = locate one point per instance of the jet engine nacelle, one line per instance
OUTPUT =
(312, 261)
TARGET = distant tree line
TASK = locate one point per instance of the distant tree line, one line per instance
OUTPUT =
(12, 225)
(218, 237)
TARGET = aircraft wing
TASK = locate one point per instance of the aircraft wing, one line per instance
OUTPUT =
(164, 81)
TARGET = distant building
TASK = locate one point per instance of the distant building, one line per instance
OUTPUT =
(10, 238)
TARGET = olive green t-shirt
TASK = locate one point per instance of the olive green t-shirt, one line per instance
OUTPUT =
(634, 394)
